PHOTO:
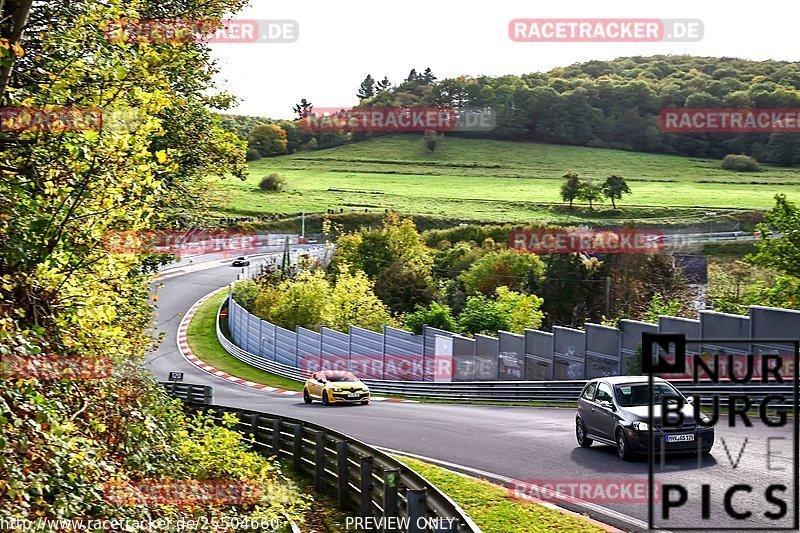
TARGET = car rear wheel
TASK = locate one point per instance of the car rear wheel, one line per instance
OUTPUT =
(306, 396)
(580, 434)
(623, 450)
(325, 400)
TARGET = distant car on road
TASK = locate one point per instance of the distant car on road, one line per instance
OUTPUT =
(241, 261)
(334, 386)
(614, 411)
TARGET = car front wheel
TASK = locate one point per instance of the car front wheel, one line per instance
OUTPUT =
(325, 400)
(623, 449)
(580, 434)
(306, 396)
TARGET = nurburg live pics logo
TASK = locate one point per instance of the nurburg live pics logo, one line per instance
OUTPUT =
(764, 499)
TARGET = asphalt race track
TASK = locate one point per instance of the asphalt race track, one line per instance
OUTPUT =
(520, 443)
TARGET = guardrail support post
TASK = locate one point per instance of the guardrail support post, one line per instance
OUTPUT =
(297, 449)
(342, 475)
(391, 478)
(416, 509)
(277, 425)
(173, 389)
(254, 425)
(208, 394)
(319, 460)
(366, 486)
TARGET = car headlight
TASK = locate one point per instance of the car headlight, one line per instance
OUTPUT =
(337, 389)
(640, 426)
(704, 418)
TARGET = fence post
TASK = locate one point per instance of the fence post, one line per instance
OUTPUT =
(296, 347)
(342, 475)
(254, 425)
(297, 452)
(416, 509)
(383, 351)
(173, 389)
(277, 425)
(366, 486)
(319, 460)
(424, 350)
(260, 337)
(391, 478)
(208, 394)
(349, 346)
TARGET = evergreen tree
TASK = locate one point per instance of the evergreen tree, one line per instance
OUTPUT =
(367, 88)
(427, 77)
(304, 108)
(384, 84)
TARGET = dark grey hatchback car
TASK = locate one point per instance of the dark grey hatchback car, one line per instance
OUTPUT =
(614, 411)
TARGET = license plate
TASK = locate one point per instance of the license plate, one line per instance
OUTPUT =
(352, 395)
(689, 437)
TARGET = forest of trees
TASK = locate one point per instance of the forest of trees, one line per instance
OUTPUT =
(615, 104)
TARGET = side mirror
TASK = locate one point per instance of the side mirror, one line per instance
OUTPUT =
(607, 404)
(690, 399)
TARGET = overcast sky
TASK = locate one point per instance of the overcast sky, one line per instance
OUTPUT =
(341, 41)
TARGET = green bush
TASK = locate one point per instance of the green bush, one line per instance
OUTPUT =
(252, 155)
(245, 293)
(740, 163)
(272, 183)
(436, 316)
(508, 268)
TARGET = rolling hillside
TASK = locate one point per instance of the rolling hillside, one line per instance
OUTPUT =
(490, 180)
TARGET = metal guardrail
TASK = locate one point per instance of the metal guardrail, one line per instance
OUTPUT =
(560, 392)
(188, 392)
(365, 479)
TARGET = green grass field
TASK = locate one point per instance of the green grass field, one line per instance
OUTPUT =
(497, 181)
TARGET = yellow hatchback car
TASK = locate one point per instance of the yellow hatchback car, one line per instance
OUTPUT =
(335, 386)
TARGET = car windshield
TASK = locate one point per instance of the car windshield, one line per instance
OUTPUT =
(338, 377)
(636, 395)
(240, 258)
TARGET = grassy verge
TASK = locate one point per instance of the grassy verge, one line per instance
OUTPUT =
(203, 341)
(202, 337)
(494, 508)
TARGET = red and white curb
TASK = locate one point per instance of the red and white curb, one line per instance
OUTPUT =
(186, 352)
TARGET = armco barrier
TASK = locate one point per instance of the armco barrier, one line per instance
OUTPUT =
(365, 479)
(189, 393)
